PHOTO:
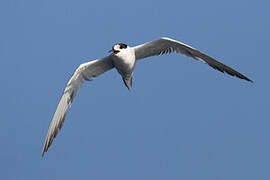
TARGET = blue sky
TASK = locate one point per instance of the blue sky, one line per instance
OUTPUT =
(182, 119)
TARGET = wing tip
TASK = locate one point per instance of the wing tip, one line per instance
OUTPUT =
(240, 76)
(249, 80)
(45, 146)
(42, 154)
(44, 150)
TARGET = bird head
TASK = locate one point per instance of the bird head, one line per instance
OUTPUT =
(118, 47)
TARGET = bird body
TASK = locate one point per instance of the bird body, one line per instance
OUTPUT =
(124, 61)
(124, 58)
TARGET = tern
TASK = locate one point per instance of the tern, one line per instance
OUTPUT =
(124, 58)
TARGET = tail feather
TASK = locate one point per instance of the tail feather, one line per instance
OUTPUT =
(128, 82)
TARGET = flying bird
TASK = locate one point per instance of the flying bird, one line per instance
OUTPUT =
(124, 58)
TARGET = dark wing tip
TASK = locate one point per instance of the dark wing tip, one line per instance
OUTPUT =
(46, 146)
(223, 68)
(49, 138)
(42, 153)
(196, 54)
(244, 77)
(249, 80)
(219, 66)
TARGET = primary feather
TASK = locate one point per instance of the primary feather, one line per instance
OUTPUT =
(84, 71)
(167, 45)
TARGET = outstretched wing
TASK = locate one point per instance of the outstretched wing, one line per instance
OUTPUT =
(84, 71)
(167, 45)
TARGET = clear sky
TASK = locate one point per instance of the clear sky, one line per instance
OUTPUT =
(182, 119)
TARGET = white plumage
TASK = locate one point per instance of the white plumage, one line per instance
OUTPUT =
(123, 58)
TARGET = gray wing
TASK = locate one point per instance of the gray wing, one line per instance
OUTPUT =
(84, 71)
(167, 45)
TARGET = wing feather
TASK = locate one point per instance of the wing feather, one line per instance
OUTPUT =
(167, 45)
(84, 71)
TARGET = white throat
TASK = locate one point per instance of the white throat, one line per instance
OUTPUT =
(125, 60)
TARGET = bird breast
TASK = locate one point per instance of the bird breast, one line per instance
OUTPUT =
(124, 62)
